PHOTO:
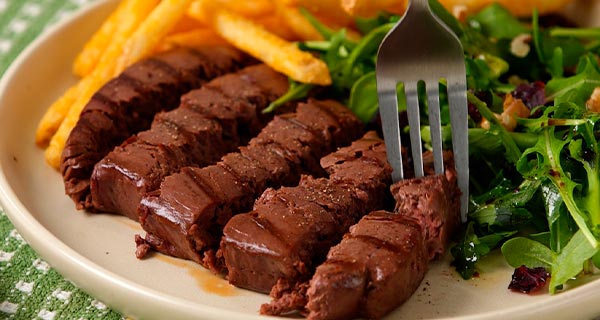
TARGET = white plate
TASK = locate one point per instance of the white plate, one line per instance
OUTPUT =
(96, 252)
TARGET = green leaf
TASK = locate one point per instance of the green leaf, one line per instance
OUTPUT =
(467, 252)
(363, 97)
(543, 160)
(448, 19)
(497, 22)
(296, 91)
(366, 25)
(559, 221)
(556, 65)
(569, 263)
(365, 49)
(582, 84)
(523, 251)
(512, 151)
(472, 248)
(596, 259)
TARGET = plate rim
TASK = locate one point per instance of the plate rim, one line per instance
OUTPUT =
(117, 291)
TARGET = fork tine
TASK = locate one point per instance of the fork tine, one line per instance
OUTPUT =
(414, 121)
(388, 110)
(435, 124)
(457, 97)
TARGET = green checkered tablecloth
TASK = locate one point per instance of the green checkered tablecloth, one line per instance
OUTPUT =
(29, 287)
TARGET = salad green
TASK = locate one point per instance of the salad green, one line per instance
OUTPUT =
(535, 187)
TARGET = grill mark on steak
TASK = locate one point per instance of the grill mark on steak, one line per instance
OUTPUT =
(127, 104)
(372, 241)
(210, 122)
(189, 216)
(290, 229)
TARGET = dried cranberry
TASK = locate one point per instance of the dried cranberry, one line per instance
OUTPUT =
(474, 113)
(527, 280)
(532, 94)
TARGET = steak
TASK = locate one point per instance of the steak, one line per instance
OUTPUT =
(186, 215)
(127, 104)
(377, 266)
(382, 260)
(210, 122)
(434, 201)
(290, 230)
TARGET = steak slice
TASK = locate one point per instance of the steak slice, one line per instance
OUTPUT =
(376, 267)
(127, 104)
(210, 122)
(290, 230)
(434, 202)
(382, 260)
(185, 217)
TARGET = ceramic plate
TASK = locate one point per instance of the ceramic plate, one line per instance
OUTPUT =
(96, 251)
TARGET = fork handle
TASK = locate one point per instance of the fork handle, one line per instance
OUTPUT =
(418, 5)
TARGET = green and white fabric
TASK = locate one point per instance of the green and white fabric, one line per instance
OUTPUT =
(29, 287)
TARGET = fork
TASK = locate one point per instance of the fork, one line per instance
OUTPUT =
(422, 49)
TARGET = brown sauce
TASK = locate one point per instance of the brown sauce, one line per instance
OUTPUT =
(207, 281)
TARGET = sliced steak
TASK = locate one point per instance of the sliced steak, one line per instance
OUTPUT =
(377, 266)
(127, 104)
(185, 217)
(210, 122)
(434, 202)
(382, 260)
(290, 230)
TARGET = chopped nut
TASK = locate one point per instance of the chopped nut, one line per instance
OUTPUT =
(593, 104)
(460, 12)
(519, 46)
(513, 108)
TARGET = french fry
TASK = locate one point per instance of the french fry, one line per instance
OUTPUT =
(55, 115)
(192, 38)
(368, 8)
(297, 22)
(198, 11)
(87, 59)
(330, 9)
(276, 52)
(150, 32)
(276, 25)
(249, 9)
(186, 24)
(104, 71)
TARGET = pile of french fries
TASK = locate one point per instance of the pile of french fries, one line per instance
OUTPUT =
(265, 29)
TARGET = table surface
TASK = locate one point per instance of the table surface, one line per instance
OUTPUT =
(29, 287)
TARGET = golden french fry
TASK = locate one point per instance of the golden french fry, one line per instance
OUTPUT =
(250, 9)
(197, 10)
(150, 32)
(289, 3)
(331, 10)
(276, 25)
(297, 22)
(368, 8)
(104, 71)
(55, 115)
(92, 51)
(186, 24)
(192, 38)
(276, 52)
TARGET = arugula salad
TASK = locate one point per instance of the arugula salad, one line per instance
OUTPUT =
(534, 106)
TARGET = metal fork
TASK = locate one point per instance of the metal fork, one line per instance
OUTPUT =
(421, 48)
